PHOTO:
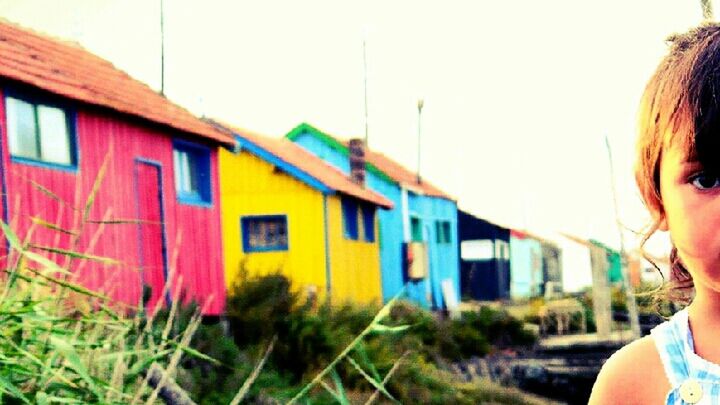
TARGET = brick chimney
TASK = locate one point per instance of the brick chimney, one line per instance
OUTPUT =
(357, 161)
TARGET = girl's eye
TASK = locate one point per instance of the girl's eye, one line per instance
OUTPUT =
(704, 181)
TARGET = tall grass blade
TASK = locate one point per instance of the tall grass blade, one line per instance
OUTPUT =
(384, 311)
(255, 373)
(360, 351)
(49, 193)
(51, 226)
(73, 359)
(76, 255)
(385, 380)
(71, 286)
(96, 187)
(123, 222)
(340, 390)
(8, 388)
(378, 386)
(379, 328)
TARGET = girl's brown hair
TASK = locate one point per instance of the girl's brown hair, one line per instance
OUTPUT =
(681, 108)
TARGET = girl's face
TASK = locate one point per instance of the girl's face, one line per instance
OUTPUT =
(691, 212)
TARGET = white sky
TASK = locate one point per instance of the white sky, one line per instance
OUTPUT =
(518, 94)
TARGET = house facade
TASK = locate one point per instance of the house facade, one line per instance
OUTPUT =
(421, 228)
(287, 211)
(484, 258)
(526, 270)
(96, 162)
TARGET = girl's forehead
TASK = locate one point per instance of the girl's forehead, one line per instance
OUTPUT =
(687, 149)
(680, 143)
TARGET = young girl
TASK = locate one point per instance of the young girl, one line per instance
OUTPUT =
(678, 172)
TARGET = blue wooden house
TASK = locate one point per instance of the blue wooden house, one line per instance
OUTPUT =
(418, 238)
(526, 271)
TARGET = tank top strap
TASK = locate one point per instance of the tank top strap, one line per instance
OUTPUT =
(671, 341)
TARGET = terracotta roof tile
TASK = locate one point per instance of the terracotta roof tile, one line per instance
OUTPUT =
(310, 164)
(402, 175)
(69, 70)
(387, 166)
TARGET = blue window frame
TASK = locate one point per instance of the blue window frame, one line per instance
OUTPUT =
(191, 164)
(350, 218)
(40, 131)
(368, 213)
(264, 233)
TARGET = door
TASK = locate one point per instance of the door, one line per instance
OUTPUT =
(151, 230)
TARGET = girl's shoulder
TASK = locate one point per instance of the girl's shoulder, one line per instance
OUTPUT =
(633, 375)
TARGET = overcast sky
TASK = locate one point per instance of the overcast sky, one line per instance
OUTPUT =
(519, 95)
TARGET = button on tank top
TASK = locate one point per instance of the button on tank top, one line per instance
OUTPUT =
(693, 379)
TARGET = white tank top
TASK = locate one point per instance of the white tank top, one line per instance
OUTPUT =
(693, 379)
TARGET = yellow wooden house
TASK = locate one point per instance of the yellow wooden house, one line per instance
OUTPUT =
(285, 210)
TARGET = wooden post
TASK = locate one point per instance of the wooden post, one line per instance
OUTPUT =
(627, 286)
(601, 292)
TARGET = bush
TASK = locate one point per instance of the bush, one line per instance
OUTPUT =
(310, 336)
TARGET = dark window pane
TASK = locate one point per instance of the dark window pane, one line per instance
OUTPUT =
(416, 229)
(265, 233)
(192, 173)
(369, 223)
(350, 218)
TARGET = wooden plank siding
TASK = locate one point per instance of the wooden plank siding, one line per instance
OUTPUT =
(355, 264)
(424, 201)
(192, 233)
(252, 186)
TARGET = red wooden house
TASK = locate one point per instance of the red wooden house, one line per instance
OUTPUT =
(65, 111)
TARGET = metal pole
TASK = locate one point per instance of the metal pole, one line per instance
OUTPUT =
(420, 105)
(162, 48)
(630, 296)
(365, 89)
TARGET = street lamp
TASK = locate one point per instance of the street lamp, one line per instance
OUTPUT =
(420, 104)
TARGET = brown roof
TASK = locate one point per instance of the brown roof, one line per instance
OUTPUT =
(311, 165)
(399, 173)
(69, 70)
(376, 162)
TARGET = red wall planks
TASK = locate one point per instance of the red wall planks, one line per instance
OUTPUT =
(193, 246)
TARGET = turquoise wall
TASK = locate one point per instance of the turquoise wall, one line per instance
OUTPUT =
(444, 261)
(526, 276)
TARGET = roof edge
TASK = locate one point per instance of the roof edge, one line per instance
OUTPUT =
(335, 144)
(268, 156)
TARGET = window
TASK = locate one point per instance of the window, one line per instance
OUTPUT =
(192, 173)
(368, 213)
(350, 218)
(39, 132)
(264, 233)
(443, 232)
(416, 229)
(447, 231)
(502, 249)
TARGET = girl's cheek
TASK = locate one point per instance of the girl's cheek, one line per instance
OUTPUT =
(698, 237)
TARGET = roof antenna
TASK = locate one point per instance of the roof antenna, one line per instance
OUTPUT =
(365, 34)
(420, 104)
(162, 49)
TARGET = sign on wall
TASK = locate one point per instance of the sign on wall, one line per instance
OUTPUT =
(475, 250)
